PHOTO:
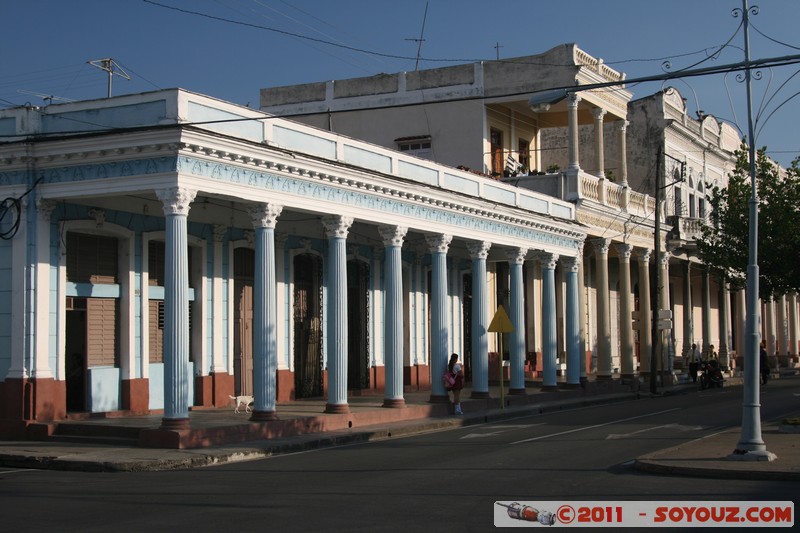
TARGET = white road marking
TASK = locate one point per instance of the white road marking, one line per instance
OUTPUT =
(503, 429)
(595, 426)
(679, 427)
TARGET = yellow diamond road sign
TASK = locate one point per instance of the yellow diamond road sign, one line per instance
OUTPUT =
(501, 323)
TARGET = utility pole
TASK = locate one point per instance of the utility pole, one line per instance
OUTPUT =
(656, 333)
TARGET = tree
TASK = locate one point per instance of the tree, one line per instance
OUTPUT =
(724, 246)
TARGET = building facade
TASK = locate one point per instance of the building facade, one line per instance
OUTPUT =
(167, 250)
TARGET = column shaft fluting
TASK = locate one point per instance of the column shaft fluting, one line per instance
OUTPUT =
(176, 308)
(265, 313)
(627, 363)
(517, 316)
(337, 228)
(480, 320)
(549, 332)
(572, 326)
(393, 335)
(645, 312)
(604, 367)
(439, 245)
(572, 131)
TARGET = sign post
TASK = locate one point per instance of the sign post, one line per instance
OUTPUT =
(501, 324)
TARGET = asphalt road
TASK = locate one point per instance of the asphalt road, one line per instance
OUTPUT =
(443, 481)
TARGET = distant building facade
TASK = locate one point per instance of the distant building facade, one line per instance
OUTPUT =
(596, 148)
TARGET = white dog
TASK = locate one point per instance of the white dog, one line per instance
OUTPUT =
(240, 401)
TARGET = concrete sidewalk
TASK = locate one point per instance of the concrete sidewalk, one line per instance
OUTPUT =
(369, 421)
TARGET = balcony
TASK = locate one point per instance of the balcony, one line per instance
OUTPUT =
(685, 230)
(580, 186)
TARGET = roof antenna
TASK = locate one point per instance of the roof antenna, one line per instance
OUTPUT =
(421, 39)
(47, 98)
(112, 67)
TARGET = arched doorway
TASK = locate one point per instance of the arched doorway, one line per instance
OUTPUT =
(358, 361)
(307, 325)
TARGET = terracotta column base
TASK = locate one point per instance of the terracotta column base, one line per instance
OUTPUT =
(435, 398)
(517, 392)
(394, 403)
(479, 395)
(174, 424)
(549, 388)
(263, 416)
(337, 408)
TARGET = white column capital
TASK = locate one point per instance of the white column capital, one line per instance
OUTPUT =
(176, 200)
(624, 250)
(337, 225)
(622, 125)
(598, 113)
(644, 254)
(516, 256)
(439, 243)
(573, 99)
(572, 264)
(219, 232)
(265, 215)
(392, 235)
(45, 207)
(601, 246)
(479, 249)
(548, 260)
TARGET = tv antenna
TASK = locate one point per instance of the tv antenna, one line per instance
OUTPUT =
(421, 35)
(48, 98)
(112, 67)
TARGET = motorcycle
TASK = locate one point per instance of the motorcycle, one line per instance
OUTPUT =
(710, 375)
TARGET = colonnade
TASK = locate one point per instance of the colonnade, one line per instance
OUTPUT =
(780, 324)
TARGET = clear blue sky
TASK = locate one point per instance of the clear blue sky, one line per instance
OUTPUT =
(46, 44)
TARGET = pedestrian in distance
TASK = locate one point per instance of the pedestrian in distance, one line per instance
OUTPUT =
(454, 382)
(711, 353)
(694, 363)
(763, 364)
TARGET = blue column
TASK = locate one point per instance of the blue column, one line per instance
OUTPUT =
(336, 227)
(517, 315)
(176, 202)
(573, 318)
(549, 339)
(393, 332)
(265, 314)
(439, 244)
(479, 251)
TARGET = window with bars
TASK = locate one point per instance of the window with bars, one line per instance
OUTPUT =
(91, 258)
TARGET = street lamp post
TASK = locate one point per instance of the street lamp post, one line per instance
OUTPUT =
(751, 447)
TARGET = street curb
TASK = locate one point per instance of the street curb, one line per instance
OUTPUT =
(228, 454)
(656, 467)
